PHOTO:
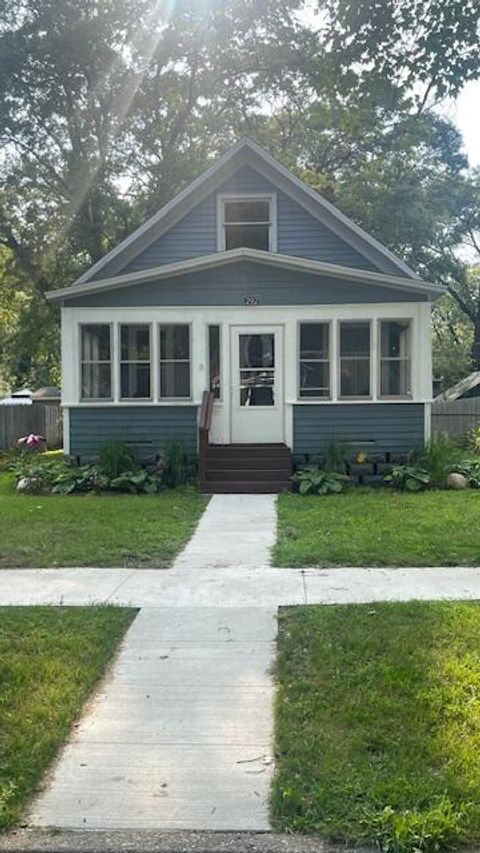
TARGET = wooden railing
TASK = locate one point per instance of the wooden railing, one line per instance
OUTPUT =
(204, 424)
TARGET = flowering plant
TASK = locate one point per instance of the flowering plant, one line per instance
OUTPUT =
(33, 441)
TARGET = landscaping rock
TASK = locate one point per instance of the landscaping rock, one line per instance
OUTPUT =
(384, 468)
(373, 480)
(29, 485)
(360, 469)
(457, 481)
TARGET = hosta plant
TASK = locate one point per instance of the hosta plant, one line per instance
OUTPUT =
(409, 478)
(316, 481)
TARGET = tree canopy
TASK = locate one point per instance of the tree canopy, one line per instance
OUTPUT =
(109, 107)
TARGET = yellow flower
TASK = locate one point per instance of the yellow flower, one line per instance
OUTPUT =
(361, 457)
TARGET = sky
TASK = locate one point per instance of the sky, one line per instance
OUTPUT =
(465, 113)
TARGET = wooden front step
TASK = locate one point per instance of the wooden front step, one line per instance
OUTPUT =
(244, 468)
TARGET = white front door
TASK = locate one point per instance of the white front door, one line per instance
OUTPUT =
(256, 384)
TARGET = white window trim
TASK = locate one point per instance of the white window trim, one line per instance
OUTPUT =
(81, 362)
(353, 397)
(120, 361)
(242, 196)
(410, 321)
(330, 325)
(161, 398)
(217, 400)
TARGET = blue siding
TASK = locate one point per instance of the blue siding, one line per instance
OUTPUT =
(192, 236)
(380, 427)
(230, 284)
(146, 428)
(299, 233)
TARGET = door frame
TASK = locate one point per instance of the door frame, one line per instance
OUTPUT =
(278, 329)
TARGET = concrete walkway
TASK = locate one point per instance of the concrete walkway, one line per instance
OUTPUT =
(180, 734)
(235, 531)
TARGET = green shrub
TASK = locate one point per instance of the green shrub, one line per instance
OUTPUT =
(174, 464)
(409, 478)
(474, 439)
(470, 469)
(314, 480)
(335, 457)
(136, 482)
(439, 457)
(114, 458)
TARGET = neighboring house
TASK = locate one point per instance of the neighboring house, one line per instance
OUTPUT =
(252, 285)
(467, 387)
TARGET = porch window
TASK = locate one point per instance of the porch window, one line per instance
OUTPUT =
(247, 222)
(395, 358)
(175, 361)
(314, 360)
(214, 361)
(355, 359)
(135, 361)
(96, 362)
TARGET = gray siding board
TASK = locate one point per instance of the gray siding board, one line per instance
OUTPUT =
(392, 427)
(230, 284)
(299, 233)
(146, 428)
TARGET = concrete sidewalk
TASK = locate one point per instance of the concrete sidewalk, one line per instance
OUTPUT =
(180, 734)
(234, 587)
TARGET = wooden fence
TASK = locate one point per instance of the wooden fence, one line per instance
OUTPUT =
(456, 417)
(42, 418)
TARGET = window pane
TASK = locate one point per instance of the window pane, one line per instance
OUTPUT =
(314, 379)
(214, 359)
(257, 350)
(247, 236)
(395, 378)
(355, 339)
(96, 381)
(96, 342)
(175, 379)
(247, 211)
(135, 380)
(355, 377)
(395, 339)
(175, 341)
(314, 340)
(135, 343)
(256, 387)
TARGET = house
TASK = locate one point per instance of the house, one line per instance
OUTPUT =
(249, 286)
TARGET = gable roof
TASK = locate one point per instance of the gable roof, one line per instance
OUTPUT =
(252, 255)
(247, 152)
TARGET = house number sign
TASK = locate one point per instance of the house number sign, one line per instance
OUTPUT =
(251, 300)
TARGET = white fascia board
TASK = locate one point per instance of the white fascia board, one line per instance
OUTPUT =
(252, 255)
(179, 206)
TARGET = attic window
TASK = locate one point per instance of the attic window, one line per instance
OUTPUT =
(247, 222)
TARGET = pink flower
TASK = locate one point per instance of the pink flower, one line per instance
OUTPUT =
(32, 440)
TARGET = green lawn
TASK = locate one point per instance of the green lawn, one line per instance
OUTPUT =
(89, 530)
(50, 659)
(371, 527)
(378, 724)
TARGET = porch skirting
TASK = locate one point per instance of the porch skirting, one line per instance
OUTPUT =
(373, 427)
(382, 430)
(146, 428)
